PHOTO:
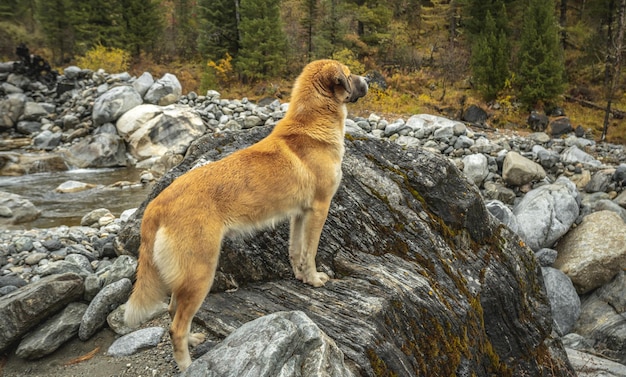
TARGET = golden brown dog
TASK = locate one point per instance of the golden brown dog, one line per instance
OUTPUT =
(292, 173)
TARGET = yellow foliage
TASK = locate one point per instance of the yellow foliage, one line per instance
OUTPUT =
(112, 60)
(222, 70)
(348, 58)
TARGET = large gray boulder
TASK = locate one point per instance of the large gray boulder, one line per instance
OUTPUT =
(11, 108)
(287, 344)
(476, 168)
(16, 209)
(546, 213)
(424, 280)
(603, 319)
(594, 252)
(575, 155)
(115, 102)
(97, 151)
(168, 85)
(153, 130)
(25, 308)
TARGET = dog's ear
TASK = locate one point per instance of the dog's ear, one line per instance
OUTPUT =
(343, 81)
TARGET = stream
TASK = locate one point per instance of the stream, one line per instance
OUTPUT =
(68, 208)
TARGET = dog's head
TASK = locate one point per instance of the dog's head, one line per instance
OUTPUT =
(335, 80)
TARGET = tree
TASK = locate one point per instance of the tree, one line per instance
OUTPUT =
(219, 31)
(613, 65)
(489, 61)
(143, 24)
(263, 43)
(540, 58)
(57, 25)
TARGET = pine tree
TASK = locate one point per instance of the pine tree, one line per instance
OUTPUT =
(57, 25)
(540, 58)
(489, 61)
(263, 42)
(219, 33)
(143, 24)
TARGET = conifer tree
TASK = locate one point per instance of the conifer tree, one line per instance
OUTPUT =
(540, 58)
(143, 24)
(219, 33)
(489, 61)
(263, 42)
(57, 25)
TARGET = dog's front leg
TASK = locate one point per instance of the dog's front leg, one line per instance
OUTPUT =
(313, 222)
(296, 243)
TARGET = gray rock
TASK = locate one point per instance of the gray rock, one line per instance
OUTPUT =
(577, 342)
(476, 168)
(538, 122)
(93, 217)
(503, 213)
(564, 300)
(62, 267)
(143, 83)
(547, 159)
(287, 344)
(603, 319)
(518, 170)
(560, 126)
(136, 341)
(109, 298)
(589, 254)
(123, 267)
(22, 209)
(11, 108)
(47, 140)
(589, 365)
(114, 103)
(98, 151)
(546, 213)
(28, 127)
(152, 131)
(168, 84)
(50, 335)
(546, 257)
(574, 155)
(33, 111)
(496, 191)
(25, 308)
(621, 199)
(600, 181)
(608, 205)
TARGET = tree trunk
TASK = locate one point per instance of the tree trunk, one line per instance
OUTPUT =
(614, 64)
(563, 23)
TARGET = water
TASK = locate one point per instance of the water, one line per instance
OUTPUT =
(68, 208)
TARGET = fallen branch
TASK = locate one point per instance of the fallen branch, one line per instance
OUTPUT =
(618, 114)
(84, 357)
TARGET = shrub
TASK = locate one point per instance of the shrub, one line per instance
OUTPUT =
(110, 59)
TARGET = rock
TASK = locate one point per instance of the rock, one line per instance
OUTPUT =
(285, 344)
(620, 175)
(537, 122)
(560, 126)
(114, 103)
(589, 254)
(28, 127)
(168, 84)
(603, 319)
(518, 170)
(11, 108)
(153, 131)
(546, 213)
(501, 212)
(600, 181)
(496, 191)
(98, 151)
(47, 140)
(136, 341)
(25, 308)
(109, 298)
(21, 209)
(547, 159)
(33, 111)
(143, 83)
(50, 335)
(574, 155)
(475, 114)
(546, 257)
(402, 301)
(93, 217)
(621, 199)
(123, 267)
(476, 168)
(73, 186)
(564, 301)
(588, 365)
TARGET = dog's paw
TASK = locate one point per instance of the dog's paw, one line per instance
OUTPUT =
(316, 279)
(196, 338)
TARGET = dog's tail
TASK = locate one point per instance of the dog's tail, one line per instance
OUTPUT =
(149, 291)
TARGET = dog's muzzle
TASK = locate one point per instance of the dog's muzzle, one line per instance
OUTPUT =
(359, 88)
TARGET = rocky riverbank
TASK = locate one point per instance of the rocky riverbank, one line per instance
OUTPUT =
(562, 193)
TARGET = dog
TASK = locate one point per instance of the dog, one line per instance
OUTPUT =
(293, 173)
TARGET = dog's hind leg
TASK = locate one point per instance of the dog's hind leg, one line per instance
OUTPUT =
(313, 222)
(188, 292)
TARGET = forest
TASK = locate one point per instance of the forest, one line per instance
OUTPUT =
(437, 56)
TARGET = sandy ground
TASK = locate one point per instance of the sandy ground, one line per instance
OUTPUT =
(77, 358)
